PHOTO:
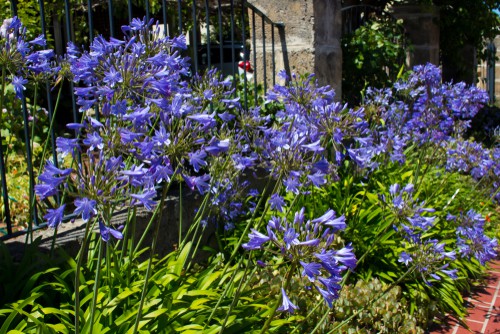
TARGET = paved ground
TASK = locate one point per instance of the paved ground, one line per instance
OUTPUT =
(484, 308)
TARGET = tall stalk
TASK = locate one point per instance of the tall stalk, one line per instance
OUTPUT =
(276, 305)
(166, 187)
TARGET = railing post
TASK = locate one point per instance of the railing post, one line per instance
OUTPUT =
(490, 75)
(13, 7)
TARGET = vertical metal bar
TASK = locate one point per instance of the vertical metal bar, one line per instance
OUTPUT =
(68, 36)
(233, 60)
(29, 161)
(273, 54)
(67, 18)
(148, 12)
(52, 132)
(129, 10)
(195, 37)
(5, 194)
(209, 47)
(254, 46)
(13, 7)
(42, 15)
(50, 108)
(165, 23)
(243, 38)
(111, 20)
(179, 14)
(71, 85)
(264, 65)
(91, 37)
(490, 75)
(221, 38)
(91, 20)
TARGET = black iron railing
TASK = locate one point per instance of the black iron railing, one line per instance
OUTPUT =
(221, 34)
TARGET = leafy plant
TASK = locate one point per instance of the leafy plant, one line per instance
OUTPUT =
(374, 55)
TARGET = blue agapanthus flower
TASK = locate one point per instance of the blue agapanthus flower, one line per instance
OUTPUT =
(310, 246)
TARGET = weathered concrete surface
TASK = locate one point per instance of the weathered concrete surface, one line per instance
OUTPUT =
(309, 42)
(70, 235)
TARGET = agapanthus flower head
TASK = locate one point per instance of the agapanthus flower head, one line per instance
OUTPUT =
(308, 244)
(471, 238)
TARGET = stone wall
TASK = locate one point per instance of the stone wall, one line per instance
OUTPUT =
(309, 42)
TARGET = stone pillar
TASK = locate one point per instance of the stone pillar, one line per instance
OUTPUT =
(327, 36)
(308, 43)
(421, 25)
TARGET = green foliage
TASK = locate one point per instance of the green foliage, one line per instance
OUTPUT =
(373, 55)
(28, 12)
(371, 230)
(40, 296)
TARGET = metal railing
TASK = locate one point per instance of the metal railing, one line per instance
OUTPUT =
(221, 34)
(491, 52)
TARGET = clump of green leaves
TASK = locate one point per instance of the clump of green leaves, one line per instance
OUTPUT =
(374, 56)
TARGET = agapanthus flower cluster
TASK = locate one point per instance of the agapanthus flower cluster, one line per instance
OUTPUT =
(146, 122)
(426, 108)
(311, 134)
(24, 61)
(428, 256)
(473, 158)
(308, 245)
(421, 110)
(471, 239)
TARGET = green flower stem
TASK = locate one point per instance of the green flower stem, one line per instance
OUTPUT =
(240, 241)
(33, 112)
(126, 231)
(166, 187)
(318, 304)
(51, 126)
(278, 301)
(199, 214)
(96, 285)
(197, 218)
(156, 213)
(77, 276)
(2, 95)
(427, 166)
(32, 203)
(180, 213)
(224, 292)
(236, 296)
